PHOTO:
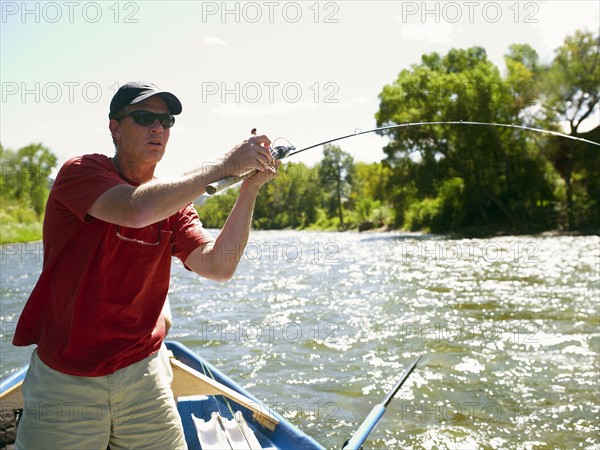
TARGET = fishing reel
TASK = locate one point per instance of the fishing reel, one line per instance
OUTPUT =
(277, 152)
(281, 151)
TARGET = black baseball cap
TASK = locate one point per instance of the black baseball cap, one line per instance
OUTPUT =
(138, 91)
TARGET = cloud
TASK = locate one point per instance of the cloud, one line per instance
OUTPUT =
(436, 33)
(211, 40)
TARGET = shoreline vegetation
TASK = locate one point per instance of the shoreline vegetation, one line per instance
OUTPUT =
(24, 187)
(18, 233)
(441, 178)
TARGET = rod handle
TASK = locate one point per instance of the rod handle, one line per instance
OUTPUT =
(278, 152)
(224, 183)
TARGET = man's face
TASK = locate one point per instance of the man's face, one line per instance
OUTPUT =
(139, 143)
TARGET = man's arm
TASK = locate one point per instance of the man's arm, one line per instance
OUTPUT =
(151, 202)
(167, 315)
(218, 260)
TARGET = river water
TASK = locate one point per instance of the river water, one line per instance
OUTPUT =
(320, 326)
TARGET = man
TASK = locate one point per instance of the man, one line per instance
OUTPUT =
(99, 376)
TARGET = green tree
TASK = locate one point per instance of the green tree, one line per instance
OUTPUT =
(369, 195)
(523, 72)
(25, 176)
(570, 91)
(24, 187)
(291, 200)
(336, 171)
(494, 170)
(213, 211)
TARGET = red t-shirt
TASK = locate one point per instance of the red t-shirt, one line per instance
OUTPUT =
(97, 304)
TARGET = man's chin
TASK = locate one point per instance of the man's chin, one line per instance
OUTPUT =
(156, 153)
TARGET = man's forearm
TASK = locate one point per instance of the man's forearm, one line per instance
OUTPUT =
(156, 200)
(223, 256)
(159, 199)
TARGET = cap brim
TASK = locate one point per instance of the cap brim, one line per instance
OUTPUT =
(172, 102)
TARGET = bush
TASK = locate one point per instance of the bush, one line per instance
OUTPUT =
(370, 214)
(323, 222)
(19, 223)
(20, 232)
(214, 211)
(422, 214)
(440, 214)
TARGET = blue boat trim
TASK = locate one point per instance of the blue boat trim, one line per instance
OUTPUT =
(13, 379)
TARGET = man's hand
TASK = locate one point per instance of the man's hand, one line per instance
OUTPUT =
(253, 154)
(263, 177)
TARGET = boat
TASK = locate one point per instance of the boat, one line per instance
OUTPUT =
(215, 411)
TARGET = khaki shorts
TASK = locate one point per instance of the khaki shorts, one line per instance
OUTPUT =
(132, 408)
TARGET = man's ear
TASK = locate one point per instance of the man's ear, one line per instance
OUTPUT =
(115, 130)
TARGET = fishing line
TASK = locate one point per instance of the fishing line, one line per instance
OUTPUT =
(452, 122)
(284, 151)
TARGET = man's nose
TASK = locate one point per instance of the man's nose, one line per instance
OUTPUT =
(156, 126)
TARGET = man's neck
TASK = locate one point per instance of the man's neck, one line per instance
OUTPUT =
(133, 172)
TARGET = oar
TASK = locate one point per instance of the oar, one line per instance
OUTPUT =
(371, 421)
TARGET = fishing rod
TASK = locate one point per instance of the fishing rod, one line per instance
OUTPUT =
(285, 151)
(376, 413)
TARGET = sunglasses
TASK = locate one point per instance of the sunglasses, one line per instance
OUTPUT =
(147, 118)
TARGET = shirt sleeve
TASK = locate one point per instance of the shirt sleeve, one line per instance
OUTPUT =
(83, 179)
(188, 233)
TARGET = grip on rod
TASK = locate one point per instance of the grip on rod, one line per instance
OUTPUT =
(278, 152)
(224, 183)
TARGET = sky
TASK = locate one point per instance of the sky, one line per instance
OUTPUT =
(303, 71)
